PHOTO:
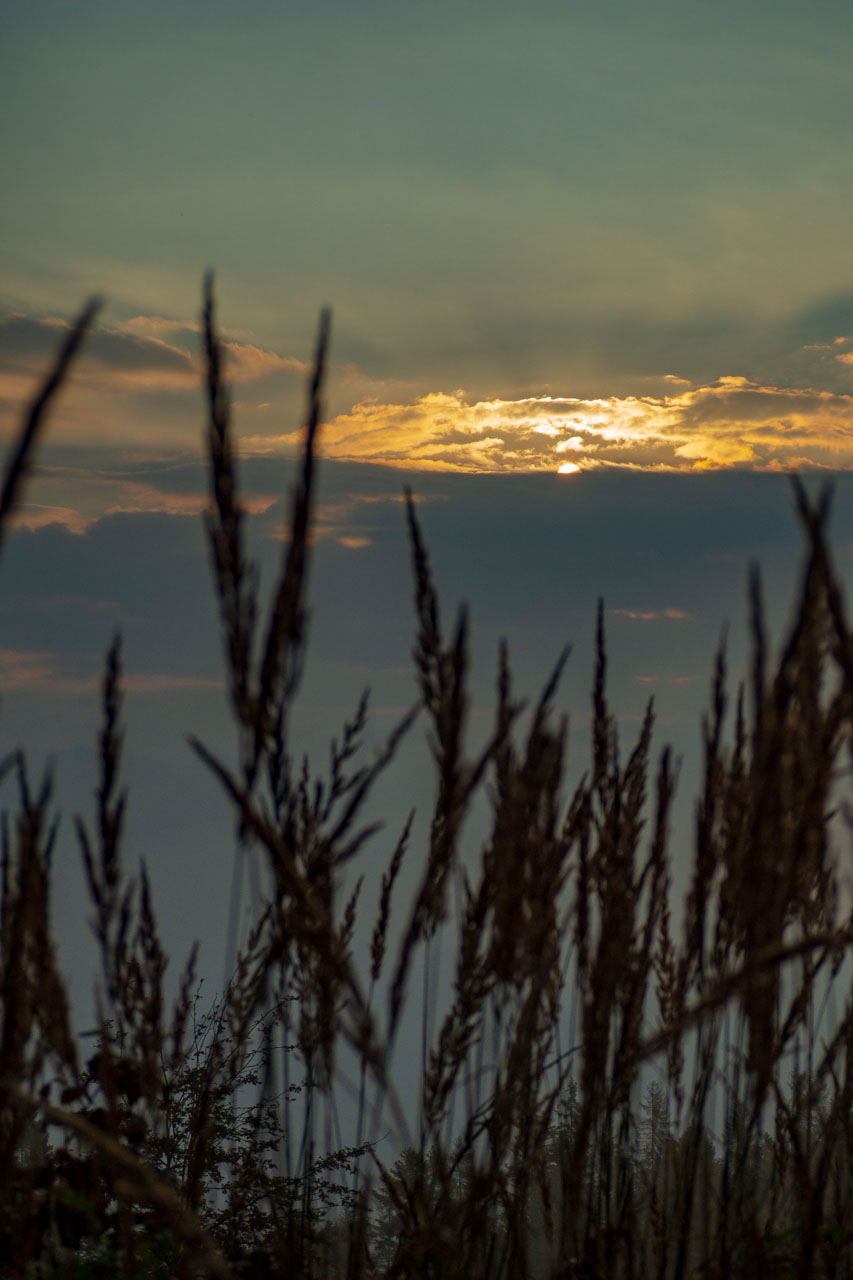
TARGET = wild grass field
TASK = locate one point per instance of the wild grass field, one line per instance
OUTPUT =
(606, 1095)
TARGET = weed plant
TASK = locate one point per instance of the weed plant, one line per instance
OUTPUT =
(600, 1099)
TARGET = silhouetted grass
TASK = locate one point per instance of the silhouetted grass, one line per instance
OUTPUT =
(600, 1099)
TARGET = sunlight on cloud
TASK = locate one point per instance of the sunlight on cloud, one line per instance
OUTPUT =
(38, 516)
(731, 423)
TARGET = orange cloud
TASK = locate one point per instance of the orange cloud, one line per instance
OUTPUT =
(730, 423)
(36, 516)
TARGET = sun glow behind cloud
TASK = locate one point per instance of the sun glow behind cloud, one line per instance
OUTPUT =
(731, 423)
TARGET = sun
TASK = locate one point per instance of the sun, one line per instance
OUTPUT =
(568, 469)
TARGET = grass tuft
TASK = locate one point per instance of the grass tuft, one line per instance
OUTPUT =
(604, 1096)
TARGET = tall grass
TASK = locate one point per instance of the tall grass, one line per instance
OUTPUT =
(601, 1098)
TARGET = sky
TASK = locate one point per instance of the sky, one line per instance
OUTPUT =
(591, 273)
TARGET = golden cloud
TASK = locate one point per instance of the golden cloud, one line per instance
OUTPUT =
(732, 422)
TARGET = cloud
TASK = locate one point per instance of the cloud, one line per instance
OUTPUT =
(81, 496)
(77, 497)
(136, 496)
(26, 669)
(649, 615)
(147, 352)
(730, 423)
(136, 387)
(354, 543)
(246, 363)
(348, 520)
(23, 669)
(153, 682)
(136, 359)
(667, 424)
(38, 516)
(840, 341)
(154, 325)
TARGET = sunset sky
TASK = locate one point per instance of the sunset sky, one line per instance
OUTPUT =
(591, 271)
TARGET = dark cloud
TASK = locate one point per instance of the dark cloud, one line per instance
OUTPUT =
(27, 339)
(147, 353)
(827, 319)
(573, 351)
(588, 352)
